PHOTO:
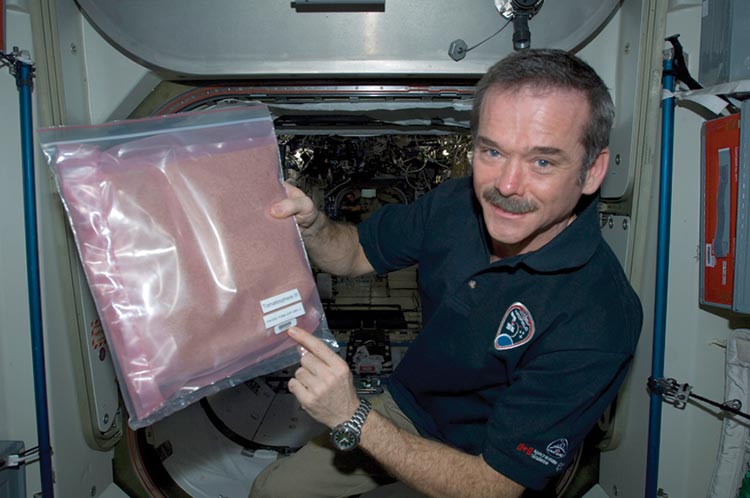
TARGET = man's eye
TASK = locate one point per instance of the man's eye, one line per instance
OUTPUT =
(492, 153)
(542, 163)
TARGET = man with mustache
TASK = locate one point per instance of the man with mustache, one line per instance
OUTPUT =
(529, 323)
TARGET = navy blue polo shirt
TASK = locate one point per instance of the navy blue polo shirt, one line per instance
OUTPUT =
(517, 359)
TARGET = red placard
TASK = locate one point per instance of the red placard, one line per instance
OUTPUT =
(720, 136)
(2, 26)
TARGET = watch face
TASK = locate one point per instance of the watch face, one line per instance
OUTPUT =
(344, 437)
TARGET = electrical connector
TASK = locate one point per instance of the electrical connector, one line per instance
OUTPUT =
(12, 461)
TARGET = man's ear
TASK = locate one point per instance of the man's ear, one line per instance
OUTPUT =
(596, 173)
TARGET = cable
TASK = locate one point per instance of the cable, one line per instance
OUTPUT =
(34, 449)
(458, 48)
(491, 36)
(16, 460)
(732, 406)
(24, 457)
(238, 438)
(6, 60)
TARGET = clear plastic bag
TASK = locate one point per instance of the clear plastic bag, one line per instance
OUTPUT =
(193, 280)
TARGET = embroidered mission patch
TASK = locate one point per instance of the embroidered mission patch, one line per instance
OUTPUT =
(516, 328)
(558, 448)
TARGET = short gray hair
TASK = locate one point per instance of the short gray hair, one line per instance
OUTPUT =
(547, 69)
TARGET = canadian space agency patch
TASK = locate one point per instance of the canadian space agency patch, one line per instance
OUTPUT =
(516, 328)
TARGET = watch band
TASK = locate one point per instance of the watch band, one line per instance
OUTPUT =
(345, 436)
(360, 414)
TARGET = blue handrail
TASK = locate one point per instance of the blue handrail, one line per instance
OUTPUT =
(24, 75)
(662, 276)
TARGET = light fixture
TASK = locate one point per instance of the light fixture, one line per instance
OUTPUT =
(339, 5)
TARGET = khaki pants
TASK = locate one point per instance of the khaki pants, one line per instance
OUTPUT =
(317, 470)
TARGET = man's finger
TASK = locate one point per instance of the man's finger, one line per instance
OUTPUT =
(284, 208)
(313, 345)
(300, 392)
(292, 191)
(305, 377)
(313, 364)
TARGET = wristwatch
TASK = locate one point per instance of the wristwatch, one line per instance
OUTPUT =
(345, 436)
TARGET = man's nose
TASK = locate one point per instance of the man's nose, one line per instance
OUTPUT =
(510, 178)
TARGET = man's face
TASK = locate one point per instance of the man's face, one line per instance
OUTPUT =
(527, 161)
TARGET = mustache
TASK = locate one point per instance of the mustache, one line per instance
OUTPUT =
(513, 205)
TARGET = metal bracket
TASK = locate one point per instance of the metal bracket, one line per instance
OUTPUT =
(679, 394)
(670, 391)
(14, 60)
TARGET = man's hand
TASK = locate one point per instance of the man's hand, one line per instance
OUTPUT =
(323, 383)
(323, 386)
(296, 204)
(333, 247)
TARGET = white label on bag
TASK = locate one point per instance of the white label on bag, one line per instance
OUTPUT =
(283, 315)
(283, 326)
(280, 300)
